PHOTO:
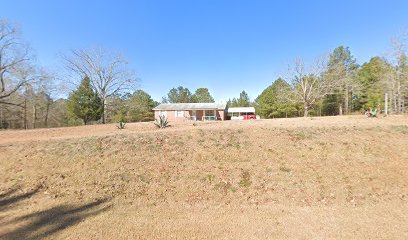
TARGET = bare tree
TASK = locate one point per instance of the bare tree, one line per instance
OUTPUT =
(26, 75)
(13, 54)
(107, 71)
(396, 80)
(24, 88)
(307, 82)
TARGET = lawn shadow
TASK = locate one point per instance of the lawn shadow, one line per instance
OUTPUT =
(45, 223)
(9, 198)
(8, 193)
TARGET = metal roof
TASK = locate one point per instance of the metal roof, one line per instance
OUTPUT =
(191, 106)
(241, 110)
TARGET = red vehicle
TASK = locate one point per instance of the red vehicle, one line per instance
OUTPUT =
(249, 116)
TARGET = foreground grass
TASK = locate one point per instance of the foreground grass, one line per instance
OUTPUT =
(224, 180)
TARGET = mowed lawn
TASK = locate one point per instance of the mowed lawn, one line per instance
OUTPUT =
(305, 178)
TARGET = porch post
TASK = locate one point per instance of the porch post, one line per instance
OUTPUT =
(203, 115)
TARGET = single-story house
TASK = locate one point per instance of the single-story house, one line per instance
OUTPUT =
(191, 111)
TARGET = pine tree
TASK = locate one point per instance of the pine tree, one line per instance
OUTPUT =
(244, 100)
(276, 101)
(341, 69)
(179, 95)
(84, 103)
(202, 95)
(370, 77)
(140, 106)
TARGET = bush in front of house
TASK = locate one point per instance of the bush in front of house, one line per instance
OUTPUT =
(162, 122)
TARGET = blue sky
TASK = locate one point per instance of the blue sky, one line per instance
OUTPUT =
(224, 45)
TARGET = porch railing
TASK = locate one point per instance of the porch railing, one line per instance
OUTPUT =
(209, 118)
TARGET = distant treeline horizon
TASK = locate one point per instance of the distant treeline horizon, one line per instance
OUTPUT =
(105, 90)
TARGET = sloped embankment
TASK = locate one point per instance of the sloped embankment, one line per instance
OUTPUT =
(227, 169)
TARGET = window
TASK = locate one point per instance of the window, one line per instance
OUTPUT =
(179, 113)
(193, 115)
(210, 113)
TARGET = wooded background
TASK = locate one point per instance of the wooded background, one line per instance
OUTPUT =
(105, 89)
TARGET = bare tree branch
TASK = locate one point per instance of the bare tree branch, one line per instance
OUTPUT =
(13, 56)
(107, 71)
(308, 84)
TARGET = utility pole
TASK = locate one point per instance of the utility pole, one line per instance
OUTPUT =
(386, 104)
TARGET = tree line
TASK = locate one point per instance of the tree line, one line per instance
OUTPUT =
(105, 88)
(107, 91)
(337, 85)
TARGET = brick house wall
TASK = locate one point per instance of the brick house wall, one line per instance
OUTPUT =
(186, 114)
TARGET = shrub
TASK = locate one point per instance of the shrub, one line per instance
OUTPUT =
(162, 122)
(121, 125)
(121, 120)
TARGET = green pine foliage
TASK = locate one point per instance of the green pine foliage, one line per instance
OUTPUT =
(242, 101)
(131, 107)
(183, 95)
(140, 105)
(178, 95)
(84, 103)
(276, 101)
(202, 95)
(341, 70)
(370, 77)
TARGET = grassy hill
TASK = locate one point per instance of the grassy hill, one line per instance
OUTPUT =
(332, 177)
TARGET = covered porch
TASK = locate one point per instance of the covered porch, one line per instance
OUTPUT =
(191, 111)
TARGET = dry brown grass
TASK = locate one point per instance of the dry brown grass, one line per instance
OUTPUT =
(333, 177)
